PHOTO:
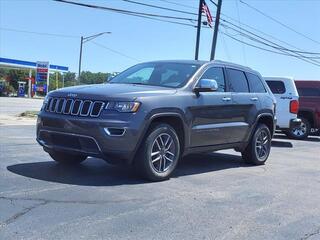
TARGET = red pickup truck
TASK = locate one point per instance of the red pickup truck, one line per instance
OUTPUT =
(309, 109)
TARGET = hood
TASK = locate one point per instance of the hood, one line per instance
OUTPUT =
(118, 91)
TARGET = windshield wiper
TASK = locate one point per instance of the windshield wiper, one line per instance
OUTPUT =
(137, 83)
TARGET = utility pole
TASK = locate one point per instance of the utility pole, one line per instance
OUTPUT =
(82, 41)
(215, 33)
(198, 30)
(80, 58)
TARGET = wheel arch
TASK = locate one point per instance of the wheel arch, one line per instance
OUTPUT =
(176, 121)
(266, 119)
(174, 118)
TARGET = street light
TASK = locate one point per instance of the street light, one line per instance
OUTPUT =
(84, 40)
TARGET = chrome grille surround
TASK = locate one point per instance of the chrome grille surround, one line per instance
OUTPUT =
(74, 107)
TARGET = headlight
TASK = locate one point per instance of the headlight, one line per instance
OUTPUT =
(123, 106)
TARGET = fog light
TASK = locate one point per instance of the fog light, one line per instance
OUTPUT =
(117, 132)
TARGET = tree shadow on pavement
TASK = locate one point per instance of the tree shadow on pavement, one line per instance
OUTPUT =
(95, 172)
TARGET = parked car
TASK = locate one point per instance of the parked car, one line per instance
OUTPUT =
(154, 113)
(285, 91)
(309, 109)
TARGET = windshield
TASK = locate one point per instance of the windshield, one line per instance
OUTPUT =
(165, 74)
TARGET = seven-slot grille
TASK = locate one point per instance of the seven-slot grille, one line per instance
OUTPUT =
(75, 107)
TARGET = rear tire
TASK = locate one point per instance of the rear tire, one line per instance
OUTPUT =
(159, 153)
(301, 132)
(66, 158)
(258, 149)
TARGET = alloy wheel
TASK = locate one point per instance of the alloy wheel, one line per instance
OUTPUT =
(300, 130)
(262, 145)
(163, 153)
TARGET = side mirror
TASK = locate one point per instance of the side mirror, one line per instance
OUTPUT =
(206, 85)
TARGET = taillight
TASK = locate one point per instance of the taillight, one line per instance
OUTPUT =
(294, 106)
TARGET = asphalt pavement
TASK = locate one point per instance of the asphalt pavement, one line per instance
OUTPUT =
(12, 106)
(215, 196)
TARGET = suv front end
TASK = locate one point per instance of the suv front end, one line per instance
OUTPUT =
(90, 126)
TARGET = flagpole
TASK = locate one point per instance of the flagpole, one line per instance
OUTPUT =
(198, 30)
(215, 33)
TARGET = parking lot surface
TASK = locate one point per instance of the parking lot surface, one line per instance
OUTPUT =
(214, 196)
(12, 106)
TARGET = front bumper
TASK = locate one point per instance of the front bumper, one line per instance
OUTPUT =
(112, 140)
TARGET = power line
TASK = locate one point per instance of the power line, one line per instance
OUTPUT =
(115, 51)
(296, 51)
(39, 33)
(243, 47)
(226, 48)
(162, 20)
(297, 54)
(288, 53)
(269, 35)
(178, 4)
(267, 50)
(214, 3)
(264, 39)
(279, 22)
(159, 7)
(117, 10)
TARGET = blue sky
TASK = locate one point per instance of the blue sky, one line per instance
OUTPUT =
(145, 40)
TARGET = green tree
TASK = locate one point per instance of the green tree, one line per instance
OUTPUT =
(13, 76)
(88, 77)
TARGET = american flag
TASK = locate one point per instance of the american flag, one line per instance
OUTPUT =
(206, 10)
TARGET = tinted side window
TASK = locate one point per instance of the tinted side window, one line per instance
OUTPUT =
(255, 83)
(237, 81)
(309, 92)
(215, 73)
(276, 87)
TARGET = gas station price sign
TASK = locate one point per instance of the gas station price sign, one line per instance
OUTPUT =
(42, 71)
(41, 76)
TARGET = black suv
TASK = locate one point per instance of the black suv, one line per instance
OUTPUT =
(154, 113)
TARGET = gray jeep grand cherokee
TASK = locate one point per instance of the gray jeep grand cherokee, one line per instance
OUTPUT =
(154, 113)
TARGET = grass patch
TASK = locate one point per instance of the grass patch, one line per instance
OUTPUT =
(29, 114)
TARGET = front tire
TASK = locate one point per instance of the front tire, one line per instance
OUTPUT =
(159, 153)
(66, 158)
(300, 132)
(258, 150)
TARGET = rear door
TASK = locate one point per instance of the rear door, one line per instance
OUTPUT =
(256, 86)
(245, 104)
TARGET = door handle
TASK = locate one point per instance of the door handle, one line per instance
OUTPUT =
(226, 99)
(254, 99)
